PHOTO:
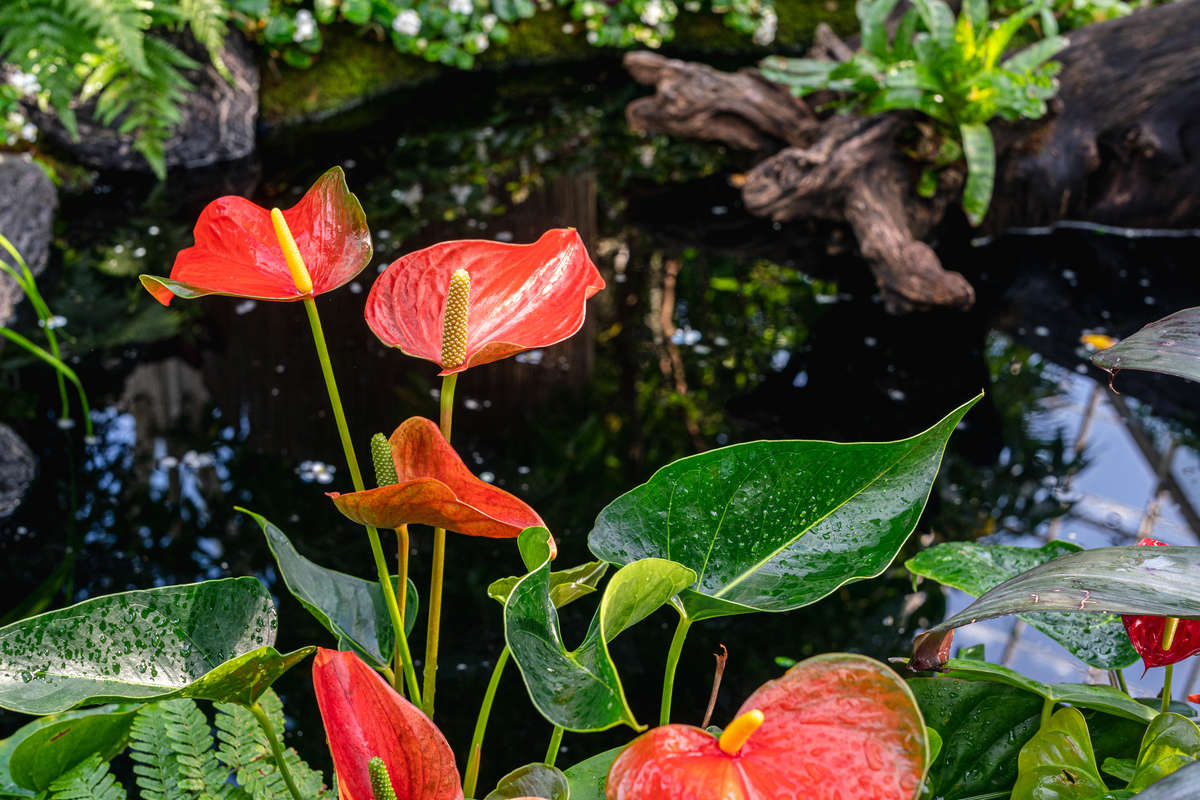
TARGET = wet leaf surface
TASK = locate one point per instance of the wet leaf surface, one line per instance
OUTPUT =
(1146, 633)
(566, 586)
(1170, 345)
(580, 689)
(773, 526)
(1058, 762)
(209, 640)
(1098, 640)
(531, 780)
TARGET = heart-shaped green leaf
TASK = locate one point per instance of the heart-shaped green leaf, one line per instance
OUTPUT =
(566, 586)
(44, 749)
(1179, 785)
(587, 778)
(1098, 640)
(1058, 762)
(773, 526)
(1171, 346)
(1158, 581)
(350, 608)
(1170, 743)
(579, 689)
(210, 640)
(532, 780)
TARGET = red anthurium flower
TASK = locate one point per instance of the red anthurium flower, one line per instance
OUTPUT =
(522, 296)
(435, 488)
(365, 718)
(1146, 633)
(237, 251)
(834, 727)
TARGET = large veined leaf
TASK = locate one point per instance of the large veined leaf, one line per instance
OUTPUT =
(776, 525)
(1058, 762)
(47, 747)
(1098, 640)
(1170, 742)
(529, 781)
(579, 689)
(350, 608)
(1159, 581)
(1171, 346)
(1179, 785)
(587, 778)
(209, 640)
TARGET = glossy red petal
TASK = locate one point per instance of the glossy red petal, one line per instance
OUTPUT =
(523, 296)
(436, 488)
(236, 251)
(1146, 633)
(837, 727)
(365, 718)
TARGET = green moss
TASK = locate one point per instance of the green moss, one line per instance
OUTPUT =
(353, 68)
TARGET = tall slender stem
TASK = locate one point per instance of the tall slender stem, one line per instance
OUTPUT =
(439, 566)
(681, 630)
(1121, 681)
(1166, 693)
(555, 743)
(339, 416)
(276, 749)
(1047, 710)
(402, 546)
(471, 774)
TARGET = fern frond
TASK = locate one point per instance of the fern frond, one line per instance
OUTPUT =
(155, 767)
(199, 772)
(88, 780)
(208, 21)
(122, 21)
(243, 747)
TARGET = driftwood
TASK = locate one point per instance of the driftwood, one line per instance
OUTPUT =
(1121, 145)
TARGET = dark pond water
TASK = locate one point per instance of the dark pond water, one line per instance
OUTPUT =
(716, 328)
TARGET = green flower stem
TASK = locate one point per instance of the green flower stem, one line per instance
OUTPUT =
(1121, 680)
(681, 631)
(60, 368)
(402, 545)
(339, 415)
(471, 774)
(1166, 692)
(276, 749)
(555, 743)
(1047, 710)
(439, 567)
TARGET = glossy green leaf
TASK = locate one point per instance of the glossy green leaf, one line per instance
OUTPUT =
(1179, 785)
(1170, 743)
(872, 17)
(983, 727)
(532, 780)
(1158, 581)
(1119, 768)
(209, 640)
(350, 608)
(580, 689)
(980, 150)
(1101, 698)
(587, 778)
(566, 586)
(1098, 640)
(1058, 762)
(1170, 345)
(773, 526)
(60, 742)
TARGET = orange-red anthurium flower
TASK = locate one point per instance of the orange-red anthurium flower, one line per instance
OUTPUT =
(434, 487)
(1147, 633)
(238, 252)
(365, 718)
(834, 727)
(522, 296)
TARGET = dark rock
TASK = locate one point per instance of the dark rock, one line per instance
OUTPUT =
(27, 204)
(219, 117)
(17, 469)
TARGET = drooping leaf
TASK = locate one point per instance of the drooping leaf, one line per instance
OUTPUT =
(50, 746)
(365, 718)
(837, 725)
(587, 778)
(566, 586)
(773, 526)
(1170, 345)
(350, 608)
(523, 296)
(237, 253)
(434, 487)
(1058, 762)
(1159, 581)
(208, 640)
(531, 780)
(579, 689)
(1098, 640)
(1147, 633)
(980, 151)
(1170, 743)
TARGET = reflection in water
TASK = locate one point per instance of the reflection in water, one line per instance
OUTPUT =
(716, 328)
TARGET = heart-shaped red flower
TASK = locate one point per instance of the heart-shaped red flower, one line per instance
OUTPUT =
(435, 488)
(522, 296)
(237, 252)
(834, 727)
(1146, 633)
(365, 718)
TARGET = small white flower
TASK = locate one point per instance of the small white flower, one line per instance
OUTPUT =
(653, 13)
(25, 82)
(764, 34)
(487, 22)
(407, 23)
(56, 321)
(461, 6)
(593, 37)
(306, 26)
(481, 42)
(29, 132)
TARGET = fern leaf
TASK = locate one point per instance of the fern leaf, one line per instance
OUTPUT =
(122, 21)
(88, 780)
(243, 747)
(208, 21)
(155, 766)
(199, 771)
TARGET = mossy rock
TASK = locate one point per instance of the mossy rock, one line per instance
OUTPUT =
(354, 66)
